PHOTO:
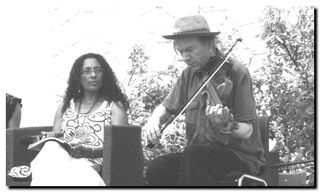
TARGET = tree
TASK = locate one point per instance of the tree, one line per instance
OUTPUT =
(146, 91)
(138, 61)
(285, 84)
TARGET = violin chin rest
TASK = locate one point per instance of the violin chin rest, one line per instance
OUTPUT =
(225, 89)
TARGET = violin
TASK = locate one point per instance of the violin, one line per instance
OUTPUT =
(213, 97)
(218, 89)
(220, 94)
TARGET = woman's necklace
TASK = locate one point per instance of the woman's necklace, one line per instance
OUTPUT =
(85, 114)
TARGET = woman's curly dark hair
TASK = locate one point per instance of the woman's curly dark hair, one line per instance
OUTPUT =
(110, 89)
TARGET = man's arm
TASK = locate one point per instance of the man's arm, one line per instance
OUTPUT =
(244, 130)
(240, 130)
(152, 130)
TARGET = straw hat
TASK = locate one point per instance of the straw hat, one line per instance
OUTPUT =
(195, 25)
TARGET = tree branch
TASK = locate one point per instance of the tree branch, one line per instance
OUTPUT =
(283, 43)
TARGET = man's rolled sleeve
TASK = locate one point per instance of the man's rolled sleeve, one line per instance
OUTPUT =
(175, 98)
(244, 108)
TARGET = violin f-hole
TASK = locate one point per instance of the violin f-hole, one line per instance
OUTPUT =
(205, 97)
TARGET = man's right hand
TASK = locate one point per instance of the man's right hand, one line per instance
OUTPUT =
(151, 131)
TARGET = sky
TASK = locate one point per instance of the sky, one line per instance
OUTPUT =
(41, 40)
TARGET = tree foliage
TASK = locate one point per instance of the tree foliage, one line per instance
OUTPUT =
(146, 91)
(285, 84)
(138, 61)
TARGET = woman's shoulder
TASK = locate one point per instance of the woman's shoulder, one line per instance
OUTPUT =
(68, 108)
(105, 106)
(119, 115)
(117, 105)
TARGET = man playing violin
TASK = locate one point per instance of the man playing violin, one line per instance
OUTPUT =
(222, 137)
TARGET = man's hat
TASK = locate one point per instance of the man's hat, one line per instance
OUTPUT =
(195, 25)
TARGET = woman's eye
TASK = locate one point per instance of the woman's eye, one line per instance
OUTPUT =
(86, 71)
(98, 70)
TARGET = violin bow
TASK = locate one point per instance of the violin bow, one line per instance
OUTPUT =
(214, 71)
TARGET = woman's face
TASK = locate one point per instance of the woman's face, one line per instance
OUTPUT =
(91, 75)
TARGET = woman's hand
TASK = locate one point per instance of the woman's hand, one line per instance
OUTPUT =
(78, 150)
(45, 134)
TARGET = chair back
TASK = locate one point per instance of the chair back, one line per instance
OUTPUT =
(17, 153)
(269, 174)
(122, 156)
(263, 124)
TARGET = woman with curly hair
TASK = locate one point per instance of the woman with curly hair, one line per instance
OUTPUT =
(93, 99)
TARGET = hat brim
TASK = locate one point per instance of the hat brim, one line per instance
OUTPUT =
(199, 34)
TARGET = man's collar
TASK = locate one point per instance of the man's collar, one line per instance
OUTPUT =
(209, 66)
(213, 61)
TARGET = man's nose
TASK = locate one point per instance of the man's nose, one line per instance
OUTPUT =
(185, 57)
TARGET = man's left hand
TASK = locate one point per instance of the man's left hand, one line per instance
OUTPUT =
(217, 116)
